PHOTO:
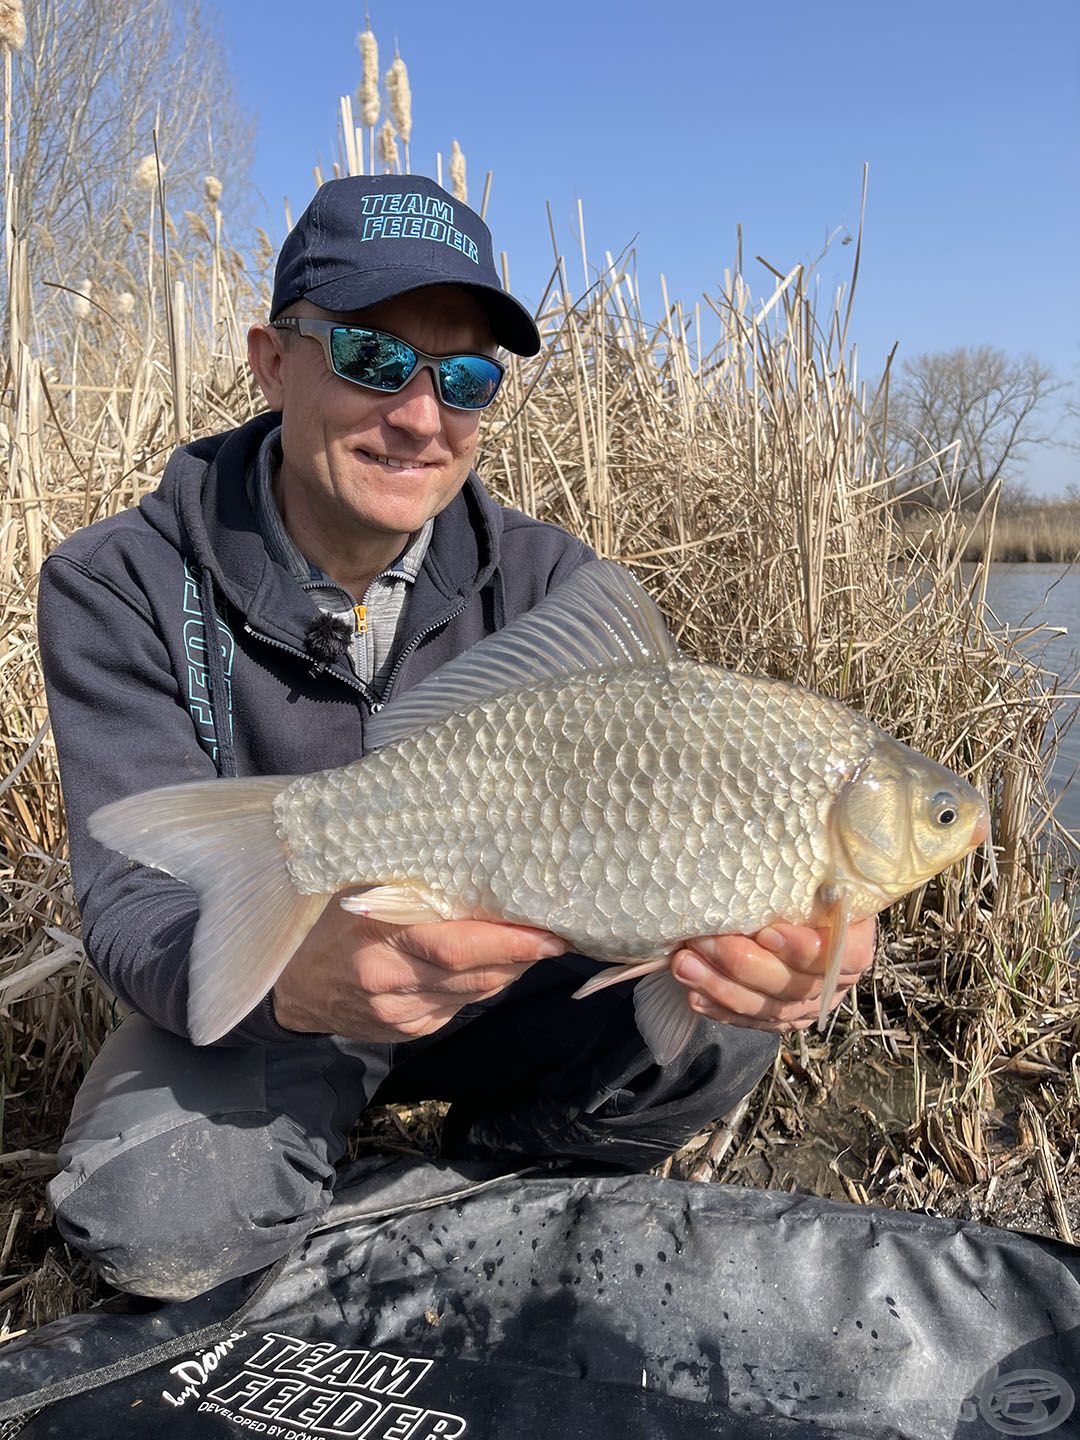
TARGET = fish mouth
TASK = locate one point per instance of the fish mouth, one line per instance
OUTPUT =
(981, 829)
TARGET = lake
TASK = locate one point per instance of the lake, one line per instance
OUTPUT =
(1022, 595)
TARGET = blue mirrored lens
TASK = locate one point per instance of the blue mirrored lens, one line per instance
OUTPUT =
(469, 381)
(371, 358)
(382, 362)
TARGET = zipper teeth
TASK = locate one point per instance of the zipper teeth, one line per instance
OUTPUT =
(413, 643)
(302, 655)
(375, 703)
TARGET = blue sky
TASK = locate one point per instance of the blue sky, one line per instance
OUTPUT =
(675, 123)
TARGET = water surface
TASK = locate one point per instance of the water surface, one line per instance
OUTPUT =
(1022, 595)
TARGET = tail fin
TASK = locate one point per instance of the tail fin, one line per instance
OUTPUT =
(220, 837)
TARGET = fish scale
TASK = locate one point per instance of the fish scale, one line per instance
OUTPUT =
(622, 811)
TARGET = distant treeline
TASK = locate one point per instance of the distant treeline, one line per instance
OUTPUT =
(1039, 530)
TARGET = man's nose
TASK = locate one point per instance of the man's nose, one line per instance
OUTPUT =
(416, 406)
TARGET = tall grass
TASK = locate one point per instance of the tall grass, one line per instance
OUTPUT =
(740, 482)
(1043, 532)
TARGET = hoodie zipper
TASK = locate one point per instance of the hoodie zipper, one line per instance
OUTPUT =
(313, 667)
(374, 704)
(413, 643)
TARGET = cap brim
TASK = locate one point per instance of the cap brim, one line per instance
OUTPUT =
(511, 324)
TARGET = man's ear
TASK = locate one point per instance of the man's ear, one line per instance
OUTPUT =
(266, 353)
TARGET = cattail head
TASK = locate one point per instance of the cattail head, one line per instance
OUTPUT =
(212, 188)
(397, 87)
(12, 25)
(146, 172)
(388, 151)
(368, 94)
(124, 302)
(457, 174)
(80, 301)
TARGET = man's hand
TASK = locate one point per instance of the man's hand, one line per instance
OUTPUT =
(772, 981)
(387, 983)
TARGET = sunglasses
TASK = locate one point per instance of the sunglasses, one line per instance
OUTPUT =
(378, 361)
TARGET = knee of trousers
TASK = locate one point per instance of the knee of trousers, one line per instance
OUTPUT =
(655, 1112)
(634, 1120)
(177, 1213)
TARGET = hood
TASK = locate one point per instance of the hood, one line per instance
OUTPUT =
(201, 507)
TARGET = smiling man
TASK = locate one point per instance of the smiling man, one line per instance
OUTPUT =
(287, 579)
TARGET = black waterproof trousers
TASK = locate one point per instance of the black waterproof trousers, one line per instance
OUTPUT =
(183, 1167)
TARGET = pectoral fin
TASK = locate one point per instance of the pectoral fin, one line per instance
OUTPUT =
(837, 915)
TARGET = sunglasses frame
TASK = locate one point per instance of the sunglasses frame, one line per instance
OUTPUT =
(322, 330)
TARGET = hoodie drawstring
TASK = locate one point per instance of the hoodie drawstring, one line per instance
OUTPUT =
(215, 667)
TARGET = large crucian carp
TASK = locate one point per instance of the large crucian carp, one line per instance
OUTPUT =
(575, 772)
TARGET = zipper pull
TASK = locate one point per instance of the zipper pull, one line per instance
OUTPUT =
(360, 611)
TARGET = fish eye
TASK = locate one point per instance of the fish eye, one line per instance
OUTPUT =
(943, 808)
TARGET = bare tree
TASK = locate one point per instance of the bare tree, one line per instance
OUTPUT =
(1072, 412)
(960, 420)
(93, 81)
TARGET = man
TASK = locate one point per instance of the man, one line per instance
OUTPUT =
(286, 579)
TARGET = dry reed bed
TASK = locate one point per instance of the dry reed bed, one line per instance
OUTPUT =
(1048, 533)
(742, 487)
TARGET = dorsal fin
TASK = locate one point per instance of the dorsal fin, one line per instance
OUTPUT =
(598, 619)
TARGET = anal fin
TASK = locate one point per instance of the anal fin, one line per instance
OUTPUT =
(661, 1004)
(664, 1017)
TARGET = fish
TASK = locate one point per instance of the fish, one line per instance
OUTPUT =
(576, 772)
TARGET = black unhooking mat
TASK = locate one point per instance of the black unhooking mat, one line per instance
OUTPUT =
(434, 1304)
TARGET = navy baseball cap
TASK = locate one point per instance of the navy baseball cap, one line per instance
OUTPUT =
(367, 238)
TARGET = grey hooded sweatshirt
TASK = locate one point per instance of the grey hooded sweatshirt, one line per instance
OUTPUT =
(138, 699)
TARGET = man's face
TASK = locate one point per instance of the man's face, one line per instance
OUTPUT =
(359, 460)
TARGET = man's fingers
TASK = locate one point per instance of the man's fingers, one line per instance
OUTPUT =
(720, 990)
(772, 981)
(805, 948)
(781, 946)
(457, 945)
(750, 1010)
(740, 966)
(741, 1022)
(784, 961)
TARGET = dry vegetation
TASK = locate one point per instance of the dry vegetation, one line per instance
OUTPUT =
(1046, 532)
(740, 483)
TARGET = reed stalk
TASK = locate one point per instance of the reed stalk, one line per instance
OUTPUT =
(12, 38)
(212, 190)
